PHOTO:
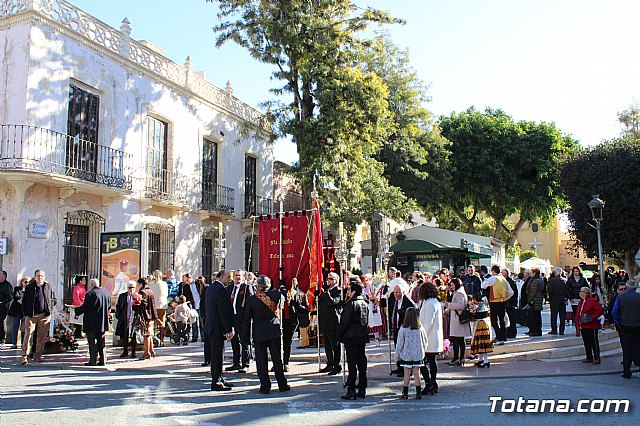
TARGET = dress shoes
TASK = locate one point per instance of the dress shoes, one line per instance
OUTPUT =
(204, 364)
(587, 361)
(90, 364)
(264, 391)
(100, 363)
(285, 389)
(335, 370)
(326, 369)
(234, 367)
(219, 387)
(226, 383)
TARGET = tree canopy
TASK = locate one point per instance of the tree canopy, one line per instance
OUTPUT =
(497, 168)
(612, 171)
(336, 111)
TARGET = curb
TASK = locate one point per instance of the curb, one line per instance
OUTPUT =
(376, 378)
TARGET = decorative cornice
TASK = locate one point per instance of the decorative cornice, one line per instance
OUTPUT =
(75, 24)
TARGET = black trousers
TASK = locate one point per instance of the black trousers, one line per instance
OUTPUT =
(558, 312)
(535, 322)
(630, 341)
(430, 374)
(459, 347)
(357, 362)
(127, 340)
(591, 343)
(512, 330)
(96, 347)
(3, 317)
(498, 309)
(240, 344)
(331, 347)
(217, 355)
(288, 329)
(262, 363)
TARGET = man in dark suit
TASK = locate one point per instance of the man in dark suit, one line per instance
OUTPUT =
(557, 292)
(95, 323)
(219, 326)
(124, 314)
(263, 310)
(398, 304)
(329, 308)
(239, 293)
(203, 318)
(512, 306)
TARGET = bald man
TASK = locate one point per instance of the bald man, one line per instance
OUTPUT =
(398, 304)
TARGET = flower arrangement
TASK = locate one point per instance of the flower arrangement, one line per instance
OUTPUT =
(63, 338)
(137, 299)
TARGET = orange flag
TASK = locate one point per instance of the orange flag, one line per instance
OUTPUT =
(316, 259)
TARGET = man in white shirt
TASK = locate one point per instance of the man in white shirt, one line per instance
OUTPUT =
(239, 293)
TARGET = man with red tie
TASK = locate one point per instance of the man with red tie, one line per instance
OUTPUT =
(398, 304)
(239, 293)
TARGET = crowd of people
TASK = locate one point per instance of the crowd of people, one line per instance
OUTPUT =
(421, 312)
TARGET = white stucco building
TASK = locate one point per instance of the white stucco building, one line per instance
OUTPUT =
(102, 133)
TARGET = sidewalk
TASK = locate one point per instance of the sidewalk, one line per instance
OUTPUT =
(187, 360)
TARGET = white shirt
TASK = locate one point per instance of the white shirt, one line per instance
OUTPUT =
(196, 295)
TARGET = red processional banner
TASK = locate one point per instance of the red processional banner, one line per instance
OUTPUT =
(316, 261)
(295, 250)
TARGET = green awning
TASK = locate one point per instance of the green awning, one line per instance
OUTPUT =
(423, 246)
(419, 246)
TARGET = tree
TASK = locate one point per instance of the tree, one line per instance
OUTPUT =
(527, 254)
(612, 171)
(337, 113)
(630, 120)
(497, 168)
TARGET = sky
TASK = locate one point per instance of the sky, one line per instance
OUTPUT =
(572, 62)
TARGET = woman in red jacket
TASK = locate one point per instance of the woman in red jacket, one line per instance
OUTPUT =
(587, 324)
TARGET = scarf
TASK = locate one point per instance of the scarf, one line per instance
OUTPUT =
(269, 303)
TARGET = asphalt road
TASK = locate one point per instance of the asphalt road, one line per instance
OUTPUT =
(45, 396)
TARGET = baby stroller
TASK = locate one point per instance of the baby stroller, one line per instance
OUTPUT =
(171, 330)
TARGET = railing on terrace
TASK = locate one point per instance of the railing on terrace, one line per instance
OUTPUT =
(255, 206)
(24, 147)
(217, 198)
(165, 185)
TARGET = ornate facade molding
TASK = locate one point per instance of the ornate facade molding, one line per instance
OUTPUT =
(64, 18)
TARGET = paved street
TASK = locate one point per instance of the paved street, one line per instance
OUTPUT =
(41, 395)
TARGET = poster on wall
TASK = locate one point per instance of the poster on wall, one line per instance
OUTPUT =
(120, 256)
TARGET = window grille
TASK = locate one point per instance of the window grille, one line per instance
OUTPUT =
(81, 248)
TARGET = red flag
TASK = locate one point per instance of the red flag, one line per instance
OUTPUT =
(316, 260)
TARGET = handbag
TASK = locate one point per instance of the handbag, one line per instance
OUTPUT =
(465, 316)
(585, 318)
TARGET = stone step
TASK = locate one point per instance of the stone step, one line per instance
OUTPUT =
(528, 344)
(556, 353)
(615, 352)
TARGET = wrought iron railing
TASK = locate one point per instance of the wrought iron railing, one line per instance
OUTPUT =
(217, 198)
(256, 205)
(165, 185)
(24, 147)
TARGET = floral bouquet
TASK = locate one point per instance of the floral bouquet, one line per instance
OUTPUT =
(63, 338)
(473, 307)
(137, 299)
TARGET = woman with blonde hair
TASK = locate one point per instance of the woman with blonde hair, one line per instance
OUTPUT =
(160, 291)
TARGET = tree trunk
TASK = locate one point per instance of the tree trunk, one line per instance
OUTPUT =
(514, 235)
(469, 223)
(630, 263)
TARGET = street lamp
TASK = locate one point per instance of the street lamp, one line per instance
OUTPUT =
(597, 205)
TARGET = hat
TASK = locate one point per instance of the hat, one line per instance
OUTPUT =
(586, 290)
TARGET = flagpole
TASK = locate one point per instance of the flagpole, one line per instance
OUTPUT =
(316, 300)
(281, 268)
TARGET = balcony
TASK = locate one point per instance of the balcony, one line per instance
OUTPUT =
(35, 149)
(165, 186)
(217, 198)
(256, 206)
